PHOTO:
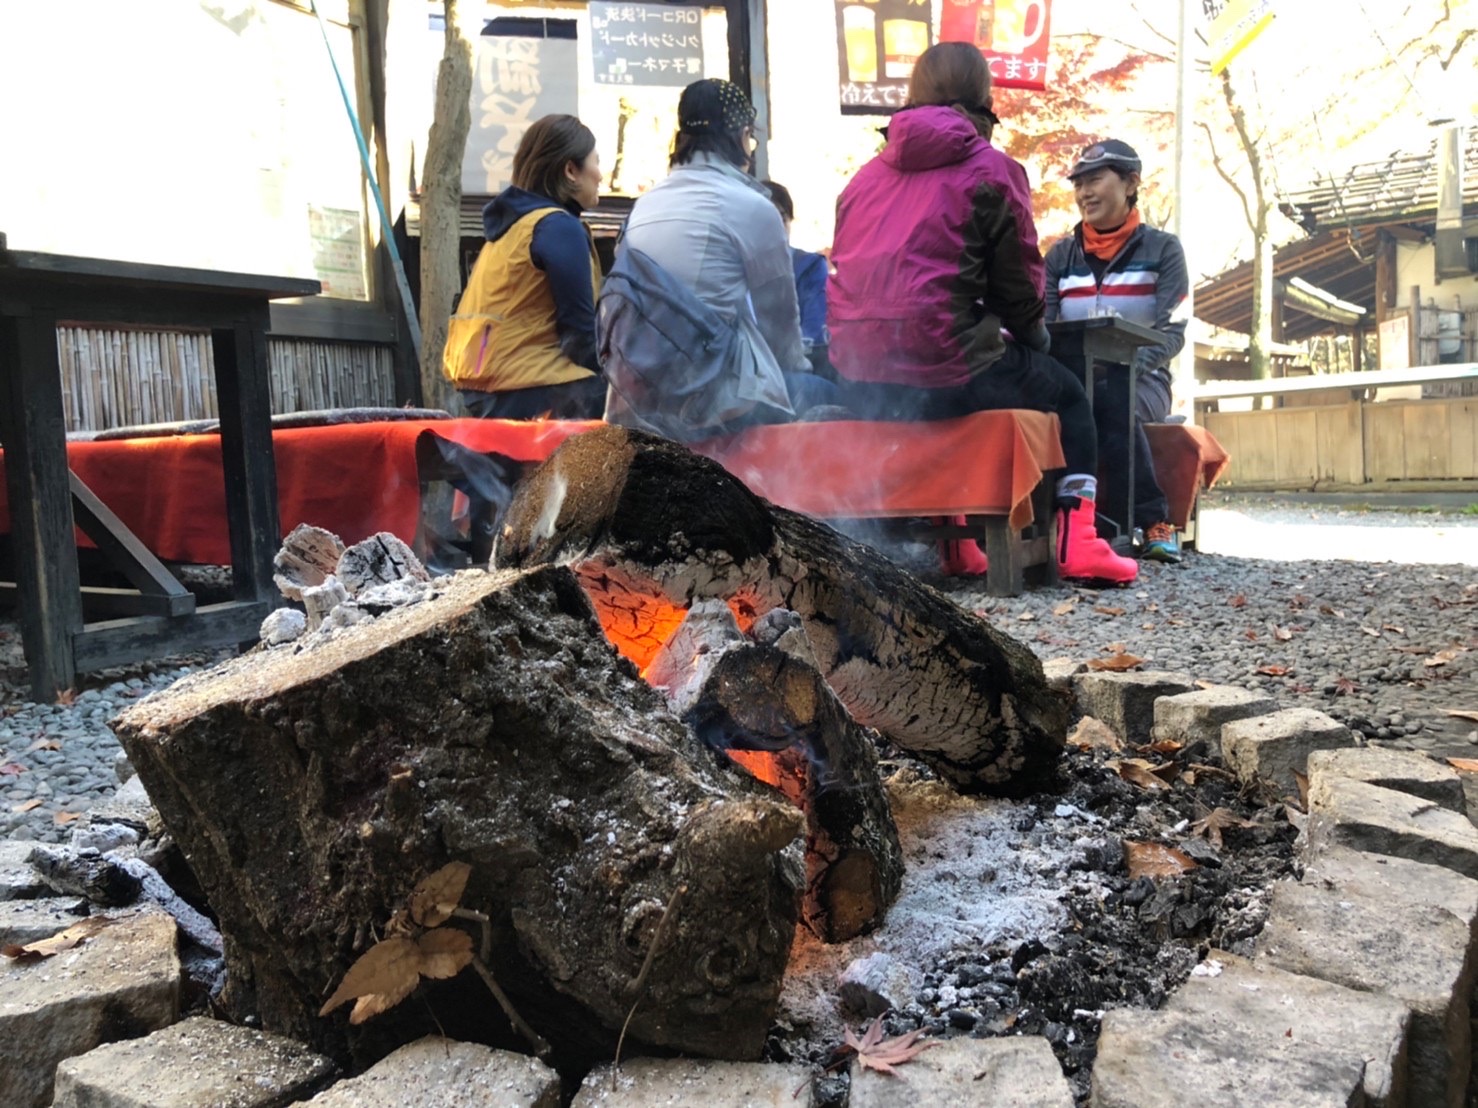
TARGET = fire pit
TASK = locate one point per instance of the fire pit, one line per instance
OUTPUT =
(763, 789)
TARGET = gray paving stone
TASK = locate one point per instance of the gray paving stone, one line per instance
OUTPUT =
(1402, 770)
(1162, 1060)
(1198, 716)
(26, 921)
(442, 1073)
(1416, 953)
(1060, 673)
(1383, 821)
(1021, 1072)
(18, 881)
(1126, 701)
(1261, 1005)
(1276, 746)
(644, 1082)
(1398, 880)
(200, 1063)
(121, 983)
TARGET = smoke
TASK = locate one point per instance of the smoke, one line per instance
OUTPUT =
(553, 502)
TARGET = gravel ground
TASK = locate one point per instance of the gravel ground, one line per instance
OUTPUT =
(1388, 648)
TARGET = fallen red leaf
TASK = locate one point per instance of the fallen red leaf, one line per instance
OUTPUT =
(12, 769)
(1104, 610)
(1272, 671)
(1464, 765)
(1155, 860)
(876, 1053)
(1116, 664)
(1238, 601)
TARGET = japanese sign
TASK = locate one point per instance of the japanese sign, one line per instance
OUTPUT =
(646, 44)
(1012, 34)
(518, 78)
(878, 42)
(1234, 24)
(337, 235)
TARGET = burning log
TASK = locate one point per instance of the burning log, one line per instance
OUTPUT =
(766, 706)
(651, 527)
(491, 724)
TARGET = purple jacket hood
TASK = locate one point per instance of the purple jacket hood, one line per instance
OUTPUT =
(928, 138)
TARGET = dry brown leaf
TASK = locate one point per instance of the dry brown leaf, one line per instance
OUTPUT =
(435, 898)
(62, 940)
(12, 769)
(1027, 617)
(1441, 658)
(1393, 629)
(1114, 648)
(445, 952)
(61, 819)
(1091, 733)
(1162, 747)
(1302, 781)
(1272, 671)
(1461, 713)
(1138, 773)
(1282, 634)
(1371, 631)
(1250, 635)
(1215, 822)
(1238, 601)
(66, 697)
(1155, 860)
(1204, 684)
(1116, 664)
(876, 1053)
(1146, 626)
(28, 805)
(1065, 607)
(389, 968)
(44, 744)
(1464, 765)
(1105, 610)
(1166, 771)
(372, 1004)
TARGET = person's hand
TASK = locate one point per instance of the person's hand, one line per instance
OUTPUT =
(1039, 339)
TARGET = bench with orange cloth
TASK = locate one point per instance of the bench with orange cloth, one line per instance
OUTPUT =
(359, 478)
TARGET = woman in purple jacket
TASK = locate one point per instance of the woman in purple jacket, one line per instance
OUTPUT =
(936, 257)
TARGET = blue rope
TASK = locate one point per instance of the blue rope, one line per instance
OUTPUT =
(408, 305)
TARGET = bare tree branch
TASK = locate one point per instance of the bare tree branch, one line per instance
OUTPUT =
(1222, 172)
(1131, 47)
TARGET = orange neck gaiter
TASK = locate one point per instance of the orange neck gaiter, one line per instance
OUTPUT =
(1105, 244)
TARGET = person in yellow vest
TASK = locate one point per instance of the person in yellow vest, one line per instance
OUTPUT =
(522, 342)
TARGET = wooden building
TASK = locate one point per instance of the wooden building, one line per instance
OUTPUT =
(1381, 264)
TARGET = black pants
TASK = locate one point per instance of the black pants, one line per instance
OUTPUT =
(582, 399)
(1021, 378)
(1116, 439)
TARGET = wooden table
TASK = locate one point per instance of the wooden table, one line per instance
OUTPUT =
(159, 616)
(1095, 344)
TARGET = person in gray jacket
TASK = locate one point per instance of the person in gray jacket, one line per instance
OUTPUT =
(1114, 264)
(713, 227)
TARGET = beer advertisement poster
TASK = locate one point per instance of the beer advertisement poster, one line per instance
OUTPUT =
(1014, 36)
(878, 42)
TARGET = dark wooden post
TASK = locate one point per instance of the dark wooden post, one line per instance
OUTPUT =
(33, 432)
(749, 68)
(244, 394)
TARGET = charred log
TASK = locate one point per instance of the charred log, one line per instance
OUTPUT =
(492, 725)
(767, 707)
(651, 527)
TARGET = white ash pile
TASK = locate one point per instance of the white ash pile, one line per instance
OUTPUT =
(340, 586)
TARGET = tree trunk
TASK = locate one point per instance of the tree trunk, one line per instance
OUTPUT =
(441, 204)
(1257, 207)
(651, 527)
(312, 788)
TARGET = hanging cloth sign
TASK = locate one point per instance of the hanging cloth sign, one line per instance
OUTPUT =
(878, 42)
(1012, 34)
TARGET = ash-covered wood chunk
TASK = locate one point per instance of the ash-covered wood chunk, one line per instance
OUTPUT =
(494, 725)
(308, 555)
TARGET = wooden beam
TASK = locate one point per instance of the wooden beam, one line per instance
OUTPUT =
(749, 68)
(243, 392)
(126, 640)
(123, 550)
(1385, 274)
(45, 552)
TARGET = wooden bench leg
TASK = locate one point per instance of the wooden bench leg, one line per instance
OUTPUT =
(1003, 546)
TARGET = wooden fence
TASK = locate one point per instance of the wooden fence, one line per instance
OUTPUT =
(124, 377)
(1350, 444)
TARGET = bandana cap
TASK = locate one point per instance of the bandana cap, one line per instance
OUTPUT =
(713, 107)
(1110, 153)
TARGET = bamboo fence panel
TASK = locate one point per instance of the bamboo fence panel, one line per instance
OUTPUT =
(124, 377)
